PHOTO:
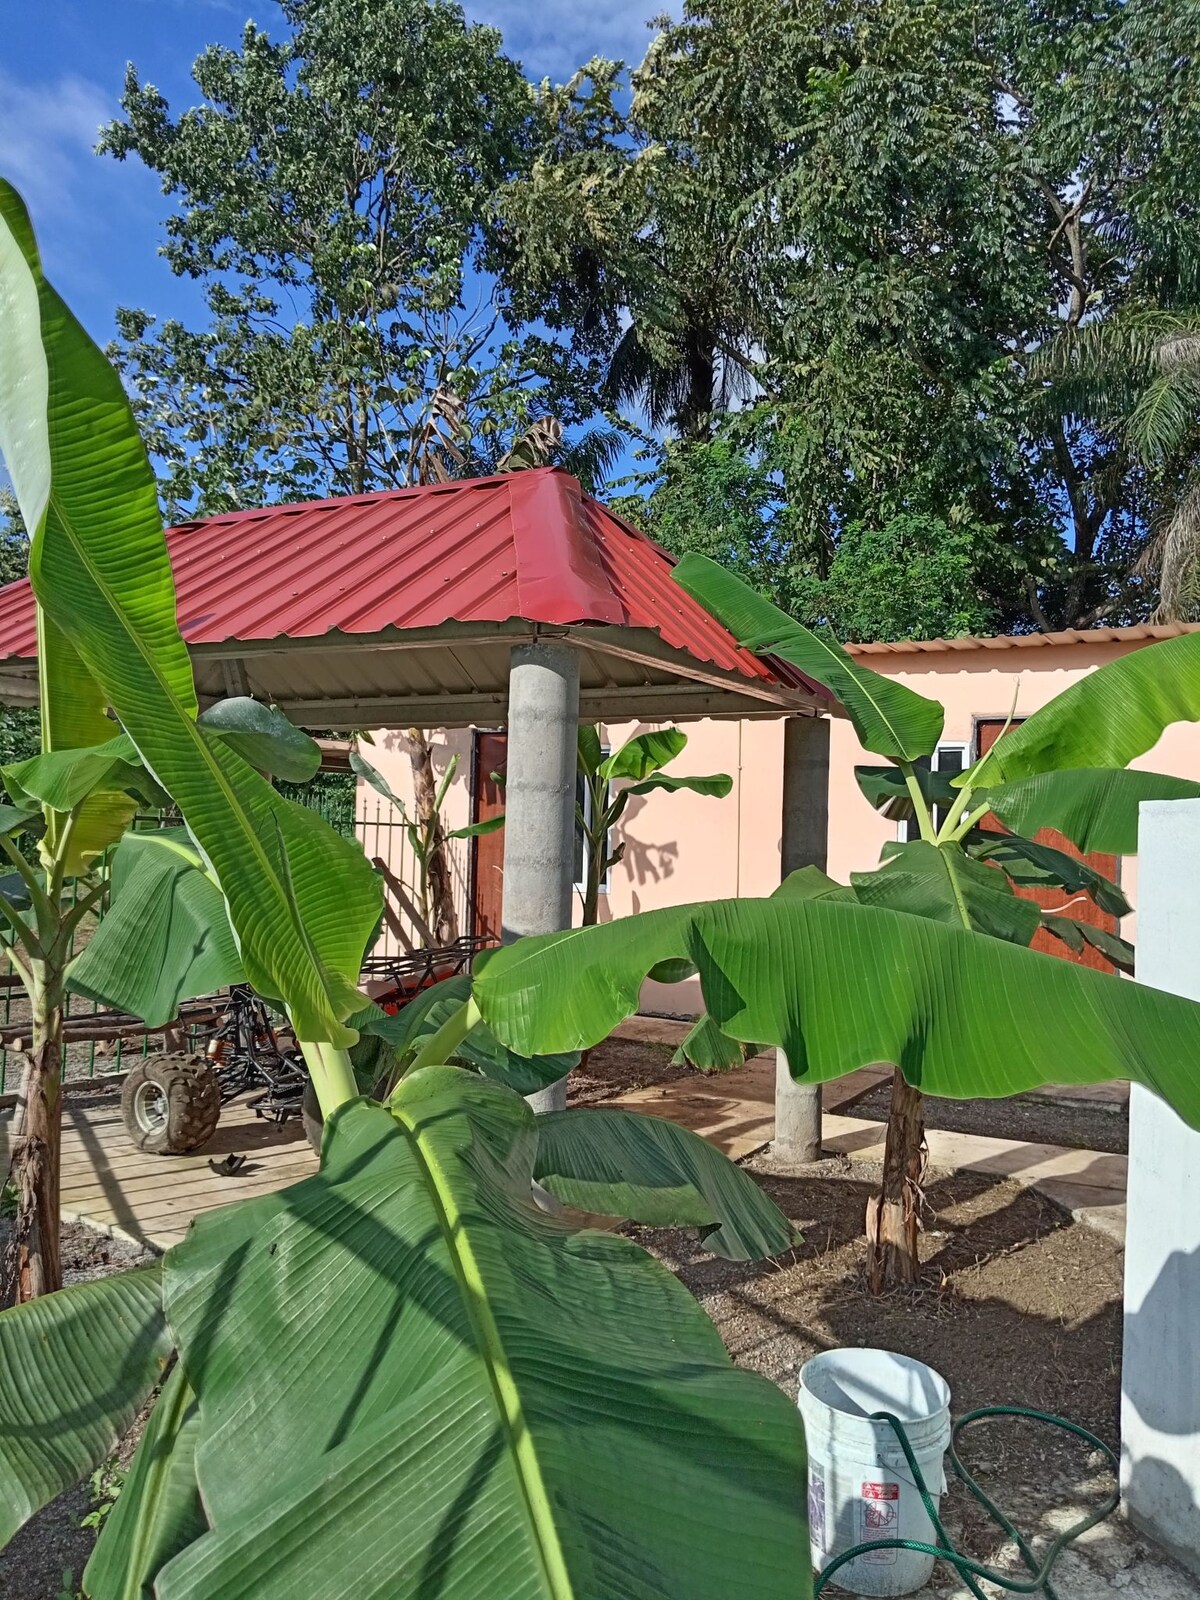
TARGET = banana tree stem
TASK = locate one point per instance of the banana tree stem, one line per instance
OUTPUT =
(440, 1046)
(331, 1072)
(924, 820)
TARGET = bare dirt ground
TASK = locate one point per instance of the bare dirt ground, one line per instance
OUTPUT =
(1017, 1304)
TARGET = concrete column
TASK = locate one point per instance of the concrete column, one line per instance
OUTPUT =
(1160, 1386)
(539, 802)
(805, 843)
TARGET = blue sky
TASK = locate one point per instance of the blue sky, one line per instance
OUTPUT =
(61, 67)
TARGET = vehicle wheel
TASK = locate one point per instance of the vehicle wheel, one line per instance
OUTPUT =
(171, 1104)
(312, 1117)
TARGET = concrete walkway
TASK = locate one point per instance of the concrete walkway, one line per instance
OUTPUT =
(737, 1112)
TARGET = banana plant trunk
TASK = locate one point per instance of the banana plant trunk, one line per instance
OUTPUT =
(34, 1264)
(893, 1215)
(442, 915)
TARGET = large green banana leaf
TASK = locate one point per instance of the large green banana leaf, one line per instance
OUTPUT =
(638, 757)
(1096, 808)
(620, 1164)
(1105, 720)
(1031, 865)
(158, 1512)
(461, 1396)
(888, 717)
(165, 937)
(75, 1368)
(403, 1035)
(73, 705)
(887, 790)
(264, 737)
(941, 882)
(303, 901)
(841, 986)
(717, 784)
(61, 779)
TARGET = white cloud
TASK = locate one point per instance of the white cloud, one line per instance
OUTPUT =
(47, 134)
(554, 37)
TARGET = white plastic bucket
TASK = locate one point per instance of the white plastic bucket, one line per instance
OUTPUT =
(860, 1487)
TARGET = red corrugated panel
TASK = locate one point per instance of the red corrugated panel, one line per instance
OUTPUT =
(527, 544)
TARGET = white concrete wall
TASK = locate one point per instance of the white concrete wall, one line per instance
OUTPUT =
(1160, 1401)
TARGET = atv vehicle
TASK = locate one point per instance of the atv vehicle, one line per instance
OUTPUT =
(171, 1103)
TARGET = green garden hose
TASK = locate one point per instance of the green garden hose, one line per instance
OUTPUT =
(1039, 1581)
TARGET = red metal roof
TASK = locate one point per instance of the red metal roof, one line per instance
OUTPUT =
(525, 545)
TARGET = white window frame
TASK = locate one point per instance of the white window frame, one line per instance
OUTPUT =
(961, 747)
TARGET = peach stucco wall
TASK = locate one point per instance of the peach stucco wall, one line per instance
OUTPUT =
(685, 847)
(977, 685)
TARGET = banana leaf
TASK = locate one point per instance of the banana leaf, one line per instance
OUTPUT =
(643, 755)
(1095, 808)
(887, 791)
(264, 737)
(158, 1512)
(889, 718)
(1075, 934)
(491, 1403)
(61, 779)
(840, 986)
(927, 880)
(302, 900)
(620, 1164)
(165, 937)
(1107, 719)
(75, 1368)
(1031, 865)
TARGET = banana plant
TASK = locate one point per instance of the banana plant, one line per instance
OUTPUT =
(494, 1401)
(1065, 767)
(637, 766)
(427, 838)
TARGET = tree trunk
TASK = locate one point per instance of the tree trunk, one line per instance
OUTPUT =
(442, 915)
(33, 1266)
(893, 1215)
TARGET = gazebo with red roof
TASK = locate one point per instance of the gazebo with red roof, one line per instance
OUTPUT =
(514, 600)
(402, 608)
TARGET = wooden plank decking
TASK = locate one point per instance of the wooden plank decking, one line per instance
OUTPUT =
(151, 1199)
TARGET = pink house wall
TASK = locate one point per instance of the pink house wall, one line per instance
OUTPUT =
(685, 847)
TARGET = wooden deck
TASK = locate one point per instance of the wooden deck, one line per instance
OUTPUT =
(151, 1199)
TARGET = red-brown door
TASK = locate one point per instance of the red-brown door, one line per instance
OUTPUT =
(487, 853)
(1082, 907)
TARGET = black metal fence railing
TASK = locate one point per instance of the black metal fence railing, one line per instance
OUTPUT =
(94, 1048)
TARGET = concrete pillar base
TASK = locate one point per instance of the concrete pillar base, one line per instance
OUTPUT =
(797, 1117)
(539, 802)
(551, 1098)
(804, 843)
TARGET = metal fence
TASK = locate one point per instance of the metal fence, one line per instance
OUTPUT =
(88, 1053)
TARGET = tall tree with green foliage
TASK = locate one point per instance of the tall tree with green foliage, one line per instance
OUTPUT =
(332, 195)
(914, 201)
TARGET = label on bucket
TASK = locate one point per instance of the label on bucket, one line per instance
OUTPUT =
(879, 1518)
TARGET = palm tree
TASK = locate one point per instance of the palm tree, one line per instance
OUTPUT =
(1136, 374)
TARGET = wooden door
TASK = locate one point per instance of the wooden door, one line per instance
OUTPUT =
(1082, 907)
(487, 851)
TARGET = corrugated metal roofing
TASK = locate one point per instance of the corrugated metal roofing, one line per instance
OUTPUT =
(1138, 633)
(526, 545)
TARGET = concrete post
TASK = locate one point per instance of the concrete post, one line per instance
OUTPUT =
(1160, 1384)
(539, 802)
(805, 843)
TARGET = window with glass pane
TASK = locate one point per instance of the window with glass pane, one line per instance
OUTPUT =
(584, 803)
(947, 758)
